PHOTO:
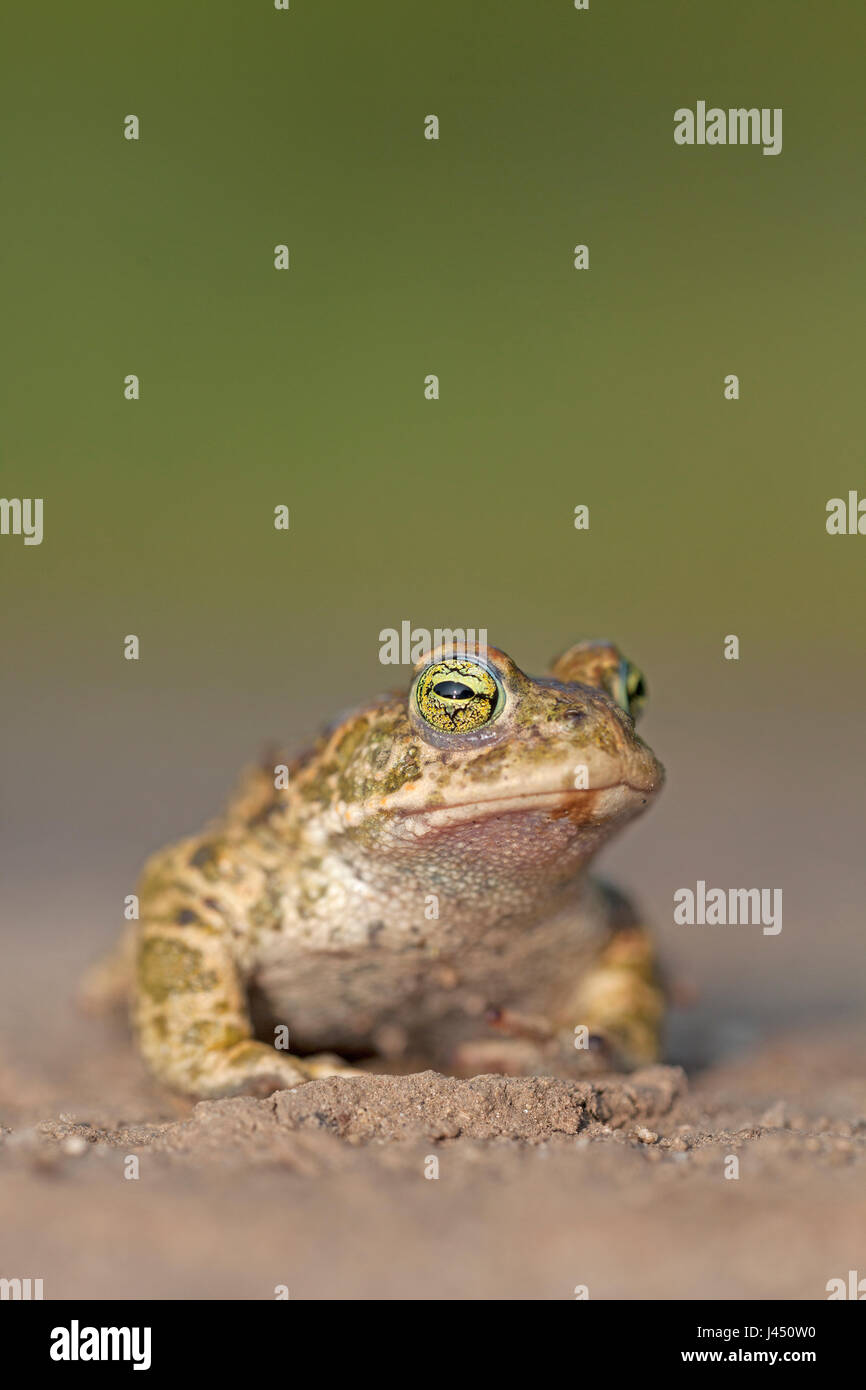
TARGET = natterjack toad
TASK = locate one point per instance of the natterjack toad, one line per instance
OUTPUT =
(417, 892)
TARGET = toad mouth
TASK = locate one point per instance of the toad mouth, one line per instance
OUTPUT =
(552, 799)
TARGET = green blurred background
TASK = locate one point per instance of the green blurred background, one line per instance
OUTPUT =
(558, 387)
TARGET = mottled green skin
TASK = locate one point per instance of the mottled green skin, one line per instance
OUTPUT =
(410, 893)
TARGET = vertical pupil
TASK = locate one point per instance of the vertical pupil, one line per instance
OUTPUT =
(453, 690)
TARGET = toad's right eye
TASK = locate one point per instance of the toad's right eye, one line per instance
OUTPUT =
(457, 695)
(453, 690)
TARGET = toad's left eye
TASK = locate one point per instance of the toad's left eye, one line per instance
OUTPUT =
(628, 687)
(457, 695)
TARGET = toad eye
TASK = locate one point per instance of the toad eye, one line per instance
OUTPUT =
(625, 682)
(453, 690)
(457, 695)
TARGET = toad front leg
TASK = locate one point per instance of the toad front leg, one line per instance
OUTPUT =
(617, 1006)
(189, 1003)
(621, 1000)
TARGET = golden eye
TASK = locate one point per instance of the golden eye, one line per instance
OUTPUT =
(457, 695)
(626, 684)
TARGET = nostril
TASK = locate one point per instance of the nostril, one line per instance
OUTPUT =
(576, 714)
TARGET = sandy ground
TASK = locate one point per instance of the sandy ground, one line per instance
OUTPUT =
(542, 1186)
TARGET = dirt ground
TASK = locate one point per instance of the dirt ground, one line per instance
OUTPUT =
(543, 1186)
